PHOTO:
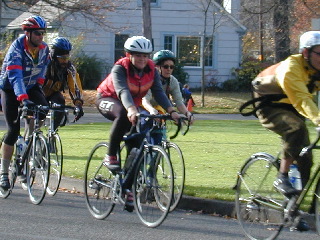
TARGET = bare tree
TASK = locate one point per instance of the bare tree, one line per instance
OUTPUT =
(95, 11)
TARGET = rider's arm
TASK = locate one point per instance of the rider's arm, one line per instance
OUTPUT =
(74, 85)
(146, 103)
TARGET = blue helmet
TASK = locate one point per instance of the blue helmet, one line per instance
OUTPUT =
(33, 23)
(62, 44)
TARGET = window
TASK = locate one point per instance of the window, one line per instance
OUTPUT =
(119, 40)
(168, 42)
(189, 51)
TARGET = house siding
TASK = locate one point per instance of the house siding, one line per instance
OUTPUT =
(170, 17)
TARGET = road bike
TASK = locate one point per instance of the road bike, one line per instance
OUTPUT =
(55, 145)
(150, 170)
(262, 211)
(174, 152)
(34, 163)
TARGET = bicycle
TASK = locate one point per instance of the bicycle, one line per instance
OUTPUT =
(152, 176)
(55, 146)
(34, 162)
(175, 155)
(263, 212)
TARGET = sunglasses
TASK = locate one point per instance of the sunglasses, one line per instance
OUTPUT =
(64, 57)
(39, 33)
(168, 66)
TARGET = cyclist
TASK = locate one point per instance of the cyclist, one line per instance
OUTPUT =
(61, 72)
(297, 77)
(165, 63)
(120, 95)
(21, 79)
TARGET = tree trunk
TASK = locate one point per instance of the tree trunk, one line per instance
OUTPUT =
(281, 28)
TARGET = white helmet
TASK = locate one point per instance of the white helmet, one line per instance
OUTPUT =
(309, 39)
(138, 44)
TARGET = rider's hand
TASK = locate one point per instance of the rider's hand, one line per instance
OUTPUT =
(175, 116)
(78, 113)
(28, 103)
(132, 114)
(190, 117)
(153, 111)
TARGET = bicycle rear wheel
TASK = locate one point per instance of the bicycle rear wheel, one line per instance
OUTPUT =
(56, 163)
(98, 183)
(38, 166)
(153, 186)
(177, 161)
(259, 206)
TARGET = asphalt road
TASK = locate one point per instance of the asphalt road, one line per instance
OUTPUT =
(66, 217)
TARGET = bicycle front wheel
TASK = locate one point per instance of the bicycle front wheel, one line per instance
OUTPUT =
(38, 160)
(177, 161)
(98, 183)
(153, 186)
(56, 162)
(259, 206)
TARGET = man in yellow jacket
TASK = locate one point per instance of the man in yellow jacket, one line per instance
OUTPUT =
(297, 77)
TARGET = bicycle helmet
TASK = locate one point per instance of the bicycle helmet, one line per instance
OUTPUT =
(162, 56)
(33, 23)
(138, 44)
(309, 40)
(61, 43)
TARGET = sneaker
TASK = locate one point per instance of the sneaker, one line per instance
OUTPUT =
(111, 162)
(4, 181)
(301, 226)
(129, 201)
(284, 186)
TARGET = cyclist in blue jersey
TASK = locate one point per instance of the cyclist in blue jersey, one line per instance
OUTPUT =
(21, 79)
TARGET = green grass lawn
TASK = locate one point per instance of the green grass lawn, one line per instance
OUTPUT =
(214, 151)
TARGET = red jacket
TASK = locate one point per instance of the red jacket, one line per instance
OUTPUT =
(138, 86)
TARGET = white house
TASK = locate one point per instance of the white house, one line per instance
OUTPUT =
(177, 25)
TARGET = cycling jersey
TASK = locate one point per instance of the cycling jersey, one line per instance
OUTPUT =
(20, 71)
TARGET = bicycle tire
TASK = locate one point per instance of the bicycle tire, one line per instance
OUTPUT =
(56, 163)
(259, 206)
(11, 173)
(317, 207)
(153, 186)
(178, 166)
(98, 183)
(38, 168)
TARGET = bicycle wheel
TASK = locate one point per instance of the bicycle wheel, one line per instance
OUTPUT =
(38, 166)
(259, 206)
(317, 207)
(153, 186)
(177, 161)
(98, 183)
(11, 173)
(56, 162)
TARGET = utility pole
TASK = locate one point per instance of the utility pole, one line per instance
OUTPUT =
(146, 17)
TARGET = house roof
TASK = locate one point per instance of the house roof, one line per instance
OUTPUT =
(48, 12)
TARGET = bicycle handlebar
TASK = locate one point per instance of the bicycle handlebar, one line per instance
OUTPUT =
(313, 145)
(162, 117)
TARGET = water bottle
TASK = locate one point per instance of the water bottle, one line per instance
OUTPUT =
(295, 177)
(21, 146)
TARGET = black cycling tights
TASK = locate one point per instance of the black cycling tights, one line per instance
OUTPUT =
(10, 106)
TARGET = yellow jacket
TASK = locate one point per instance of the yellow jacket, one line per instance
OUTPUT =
(293, 76)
